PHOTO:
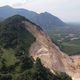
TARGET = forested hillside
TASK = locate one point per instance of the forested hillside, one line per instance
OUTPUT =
(15, 62)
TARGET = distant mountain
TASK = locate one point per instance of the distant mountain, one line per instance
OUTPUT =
(1, 19)
(46, 20)
(7, 11)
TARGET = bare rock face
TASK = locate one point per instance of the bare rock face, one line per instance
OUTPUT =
(50, 55)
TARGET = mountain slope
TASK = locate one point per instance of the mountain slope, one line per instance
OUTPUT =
(15, 60)
(45, 20)
(13, 33)
(51, 56)
(7, 11)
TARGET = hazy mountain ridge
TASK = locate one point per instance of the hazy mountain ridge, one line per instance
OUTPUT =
(45, 20)
(1, 18)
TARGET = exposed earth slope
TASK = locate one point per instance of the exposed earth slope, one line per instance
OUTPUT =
(51, 56)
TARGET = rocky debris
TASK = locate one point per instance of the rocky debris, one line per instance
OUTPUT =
(51, 56)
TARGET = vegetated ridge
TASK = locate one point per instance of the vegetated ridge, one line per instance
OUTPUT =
(17, 35)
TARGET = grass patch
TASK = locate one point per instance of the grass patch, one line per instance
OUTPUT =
(9, 56)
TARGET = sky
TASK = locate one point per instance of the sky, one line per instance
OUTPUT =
(67, 10)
